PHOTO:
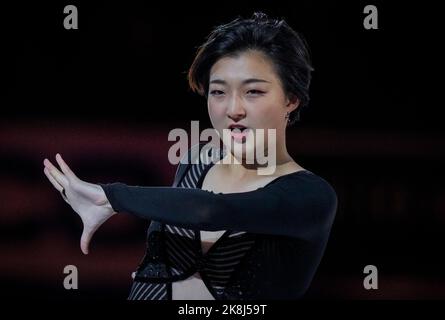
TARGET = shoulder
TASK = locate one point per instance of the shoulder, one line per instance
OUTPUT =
(184, 163)
(312, 182)
(308, 191)
(305, 180)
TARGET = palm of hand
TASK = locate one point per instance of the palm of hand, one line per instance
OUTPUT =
(87, 200)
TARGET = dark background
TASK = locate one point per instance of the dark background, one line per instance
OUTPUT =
(106, 95)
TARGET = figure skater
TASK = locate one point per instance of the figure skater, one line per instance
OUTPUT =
(222, 231)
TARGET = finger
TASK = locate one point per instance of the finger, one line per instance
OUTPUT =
(55, 173)
(65, 197)
(85, 241)
(52, 180)
(65, 169)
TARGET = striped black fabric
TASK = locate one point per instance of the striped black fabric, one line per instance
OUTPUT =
(183, 247)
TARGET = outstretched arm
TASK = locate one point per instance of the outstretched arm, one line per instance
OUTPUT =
(301, 206)
(298, 205)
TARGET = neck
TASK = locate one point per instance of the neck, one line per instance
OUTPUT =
(240, 169)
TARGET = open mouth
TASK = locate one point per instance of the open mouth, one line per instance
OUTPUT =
(234, 126)
(239, 133)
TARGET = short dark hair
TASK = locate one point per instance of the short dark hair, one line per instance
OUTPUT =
(286, 48)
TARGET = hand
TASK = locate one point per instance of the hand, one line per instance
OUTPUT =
(87, 199)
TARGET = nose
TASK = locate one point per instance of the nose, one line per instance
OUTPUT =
(235, 109)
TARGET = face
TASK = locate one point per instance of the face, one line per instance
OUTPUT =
(245, 90)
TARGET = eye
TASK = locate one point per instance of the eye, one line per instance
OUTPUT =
(216, 92)
(255, 92)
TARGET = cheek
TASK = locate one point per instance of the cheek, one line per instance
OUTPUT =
(274, 107)
(268, 114)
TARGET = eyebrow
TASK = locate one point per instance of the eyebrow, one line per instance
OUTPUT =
(247, 81)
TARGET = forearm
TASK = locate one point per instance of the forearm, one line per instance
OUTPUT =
(179, 206)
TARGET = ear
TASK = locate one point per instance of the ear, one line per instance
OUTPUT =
(292, 102)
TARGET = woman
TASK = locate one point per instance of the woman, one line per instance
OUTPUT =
(222, 231)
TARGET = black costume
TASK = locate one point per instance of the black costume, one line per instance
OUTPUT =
(275, 237)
